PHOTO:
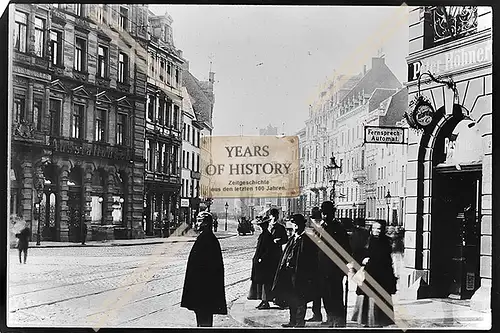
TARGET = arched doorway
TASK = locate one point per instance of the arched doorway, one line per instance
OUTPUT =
(75, 204)
(455, 207)
(49, 217)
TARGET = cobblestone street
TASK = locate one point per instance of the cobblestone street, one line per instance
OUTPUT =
(124, 286)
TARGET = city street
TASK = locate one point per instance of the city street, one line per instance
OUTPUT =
(118, 286)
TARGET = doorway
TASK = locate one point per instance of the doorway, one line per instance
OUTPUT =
(455, 247)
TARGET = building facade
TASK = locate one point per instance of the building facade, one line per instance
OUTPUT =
(163, 127)
(78, 97)
(448, 241)
(190, 161)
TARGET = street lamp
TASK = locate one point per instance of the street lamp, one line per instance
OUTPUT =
(333, 170)
(226, 206)
(388, 202)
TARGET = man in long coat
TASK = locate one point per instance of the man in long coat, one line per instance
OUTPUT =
(316, 306)
(330, 273)
(263, 268)
(280, 238)
(296, 277)
(23, 243)
(204, 291)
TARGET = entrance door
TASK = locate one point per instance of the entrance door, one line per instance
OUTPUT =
(75, 215)
(48, 215)
(455, 233)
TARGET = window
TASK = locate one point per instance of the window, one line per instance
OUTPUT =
(80, 49)
(188, 132)
(183, 158)
(166, 160)
(161, 112)
(54, 114)
(78, 9)
(19, 108)
(39, 36)
(158, 162)
(151, 155)
(121, 128)
(184, 132)
(56, 47)
(193, 161)
(177, 77)
(197, 162)
(187, 160)
(123, 18)
(37, 114)
(151, 107)
(176, 115)
(169, 72)
(102, 61)
(21, 32)
(122, 68)
(173, 165)
(169, 113)
(77, 125)
(100, 125)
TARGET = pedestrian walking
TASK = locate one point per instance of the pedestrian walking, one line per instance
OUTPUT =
(331, 275)
(316, 306)
(84, 232)
(203, 290)
(296, 276)
(280, 238)
(263, 268)
(23, 243)
(377, 263)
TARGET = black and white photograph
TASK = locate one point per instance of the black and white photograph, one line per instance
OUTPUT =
(249, 166)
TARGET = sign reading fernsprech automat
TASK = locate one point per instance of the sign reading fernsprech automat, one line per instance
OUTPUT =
(250, 166)
(393, 135)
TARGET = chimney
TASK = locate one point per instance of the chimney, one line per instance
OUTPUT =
(378, 62)
(364, 70)
(211, 77)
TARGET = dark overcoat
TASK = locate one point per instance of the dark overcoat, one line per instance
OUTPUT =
(204, 282)
(24, 236)
(328, 269)
(380, 264)
(297, 274)
(264, 265)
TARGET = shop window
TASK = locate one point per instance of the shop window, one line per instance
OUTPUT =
(21, 31)
(19, 108)
(56, 47)
(102, 61)
(80, 54)
(39, 36)
(77, 121)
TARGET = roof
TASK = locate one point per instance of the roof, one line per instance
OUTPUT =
(201, 103)
(186, 103)
(395, 107)
(380, 95)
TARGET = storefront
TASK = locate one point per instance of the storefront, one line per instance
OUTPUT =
(448, 205)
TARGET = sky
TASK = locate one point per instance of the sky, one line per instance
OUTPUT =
(270, 61)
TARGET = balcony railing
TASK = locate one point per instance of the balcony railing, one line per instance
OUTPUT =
(448, 23)
(84, 148)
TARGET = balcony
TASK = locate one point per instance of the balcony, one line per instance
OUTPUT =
(171, 179)
(84, 148)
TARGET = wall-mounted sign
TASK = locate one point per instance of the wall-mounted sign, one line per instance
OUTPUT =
(63, 145)
(453, 60)
(250, 166)
(391, 135)
(184, 202)
(420, 113)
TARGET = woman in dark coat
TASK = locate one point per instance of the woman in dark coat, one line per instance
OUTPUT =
(263, 268)
(378, 264)
(204, 291)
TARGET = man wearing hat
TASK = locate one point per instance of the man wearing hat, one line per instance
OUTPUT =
(263, 267)
(316, 306)
(331, 275)
(296, 278)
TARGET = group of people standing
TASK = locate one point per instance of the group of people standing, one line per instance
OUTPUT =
(302, 272)
(292, 269)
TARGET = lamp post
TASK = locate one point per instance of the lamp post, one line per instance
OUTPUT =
(333, 170)
(388, 202)
(226, 206)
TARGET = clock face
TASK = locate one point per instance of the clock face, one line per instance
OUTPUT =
(423, 116)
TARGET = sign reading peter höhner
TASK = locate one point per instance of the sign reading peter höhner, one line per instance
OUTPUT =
(249, 166)
(392, 135)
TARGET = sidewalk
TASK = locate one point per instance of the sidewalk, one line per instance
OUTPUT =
(190, 236)
(423, 313)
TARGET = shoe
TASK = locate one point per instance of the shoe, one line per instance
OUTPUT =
(315, 319)
(264, 306)
(260, 304)
(327, 323)
(288, 325)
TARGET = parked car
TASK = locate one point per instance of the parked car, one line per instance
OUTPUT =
(245, 227)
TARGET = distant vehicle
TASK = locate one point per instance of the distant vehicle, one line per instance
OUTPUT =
(245, 227)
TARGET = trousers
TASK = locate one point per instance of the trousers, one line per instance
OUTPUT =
(204, 319)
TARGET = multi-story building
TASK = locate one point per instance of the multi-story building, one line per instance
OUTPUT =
(386, 163)
(202, 99)
(190, 161)
(297, 205)
(448, 237)
(163, 125)
(78, 94)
